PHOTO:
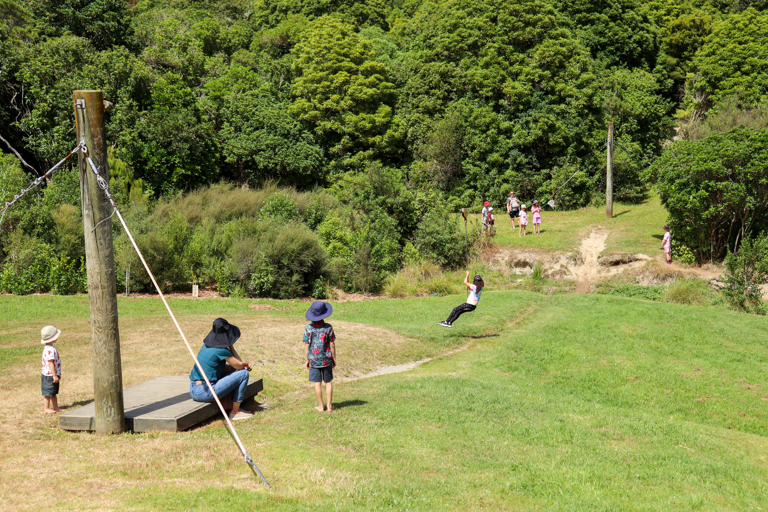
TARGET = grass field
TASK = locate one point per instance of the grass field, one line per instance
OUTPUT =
(565, 402)
(635, 228)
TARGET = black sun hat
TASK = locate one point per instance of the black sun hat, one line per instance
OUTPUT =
(222, 335)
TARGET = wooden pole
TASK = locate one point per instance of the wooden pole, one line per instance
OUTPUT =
(100, 266)
(609, 174)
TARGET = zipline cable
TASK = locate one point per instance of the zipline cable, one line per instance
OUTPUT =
(36, 183)
(105, 187)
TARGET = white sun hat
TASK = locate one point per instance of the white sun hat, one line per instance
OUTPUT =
(49, 334)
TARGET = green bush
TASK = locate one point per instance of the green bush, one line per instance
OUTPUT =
(439, 237)
(745, 271)
(281, 207)
(281, 261)
(683, 254)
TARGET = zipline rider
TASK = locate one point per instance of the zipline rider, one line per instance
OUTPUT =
(513, 207)
(223, 367)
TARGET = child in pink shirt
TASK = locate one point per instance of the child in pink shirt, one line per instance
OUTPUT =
(536, 211)
(666, 244)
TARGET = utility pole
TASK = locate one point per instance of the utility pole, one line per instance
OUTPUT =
(609, 174)
(100, 265)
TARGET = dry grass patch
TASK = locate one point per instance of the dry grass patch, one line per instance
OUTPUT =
(84, 469)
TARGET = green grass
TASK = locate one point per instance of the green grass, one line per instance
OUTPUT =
(635, 228)
(564, 402)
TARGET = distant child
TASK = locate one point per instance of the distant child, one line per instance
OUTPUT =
(536, 211)
(475, 289)
(491, 222)
(513, 207)
(321, 351)
(666, 244)
(484, 213)
(523, 220)
(49, 383)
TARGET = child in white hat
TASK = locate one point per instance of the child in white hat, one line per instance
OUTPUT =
(523, 220)
(51, 376)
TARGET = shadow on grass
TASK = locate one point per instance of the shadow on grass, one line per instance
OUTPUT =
(348, 403)
(622, 213)
(658, 237)
(483, 336)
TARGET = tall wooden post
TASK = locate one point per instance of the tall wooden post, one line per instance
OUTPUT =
(609, 174)
(100, 265)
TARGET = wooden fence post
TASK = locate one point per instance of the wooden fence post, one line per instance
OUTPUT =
(100, 265)
(609, 174)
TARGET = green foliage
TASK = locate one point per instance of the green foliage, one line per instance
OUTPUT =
(281, 207)
(696, 292)
(635, 291)
(34, 267)
(745, 272)
(734, 58)
(683, 254)
(715, 189)
(618, 33)
(440, 238)
(342, 92)
(105, 23)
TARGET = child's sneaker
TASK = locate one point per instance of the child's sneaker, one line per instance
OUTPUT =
(445, 324)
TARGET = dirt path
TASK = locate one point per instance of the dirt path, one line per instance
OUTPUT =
(399, 368)
(590, 249)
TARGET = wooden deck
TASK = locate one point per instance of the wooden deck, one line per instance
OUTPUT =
(162, 403)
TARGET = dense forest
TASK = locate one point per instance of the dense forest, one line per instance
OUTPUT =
(278, 147)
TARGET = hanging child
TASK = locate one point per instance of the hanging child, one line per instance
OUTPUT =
(475, 289)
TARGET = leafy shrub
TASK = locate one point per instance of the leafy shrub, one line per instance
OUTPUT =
(683, 254)
(440, 238)
(281, 261)
(281, 207)
(714, 189)
(745, 271)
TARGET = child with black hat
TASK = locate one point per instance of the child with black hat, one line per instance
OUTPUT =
(475, 289)
(321, 351)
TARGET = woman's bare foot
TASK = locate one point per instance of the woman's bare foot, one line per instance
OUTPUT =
(319, 408)
(330, 408)
(50, 411)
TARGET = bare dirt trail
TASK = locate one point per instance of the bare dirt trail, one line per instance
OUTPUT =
(588, 271)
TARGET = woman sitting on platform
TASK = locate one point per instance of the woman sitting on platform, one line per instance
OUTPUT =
(223, 367)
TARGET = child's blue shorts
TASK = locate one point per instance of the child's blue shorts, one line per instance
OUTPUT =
(321, 374)
(48, 387)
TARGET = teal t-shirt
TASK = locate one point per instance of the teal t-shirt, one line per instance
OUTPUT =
(213, 361)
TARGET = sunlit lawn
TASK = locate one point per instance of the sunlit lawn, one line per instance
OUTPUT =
(633, 228)
(575, 402)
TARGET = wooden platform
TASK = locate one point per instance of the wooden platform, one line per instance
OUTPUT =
(162, 403)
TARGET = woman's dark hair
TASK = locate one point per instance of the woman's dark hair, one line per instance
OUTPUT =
(478, 281)
(666, 228)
